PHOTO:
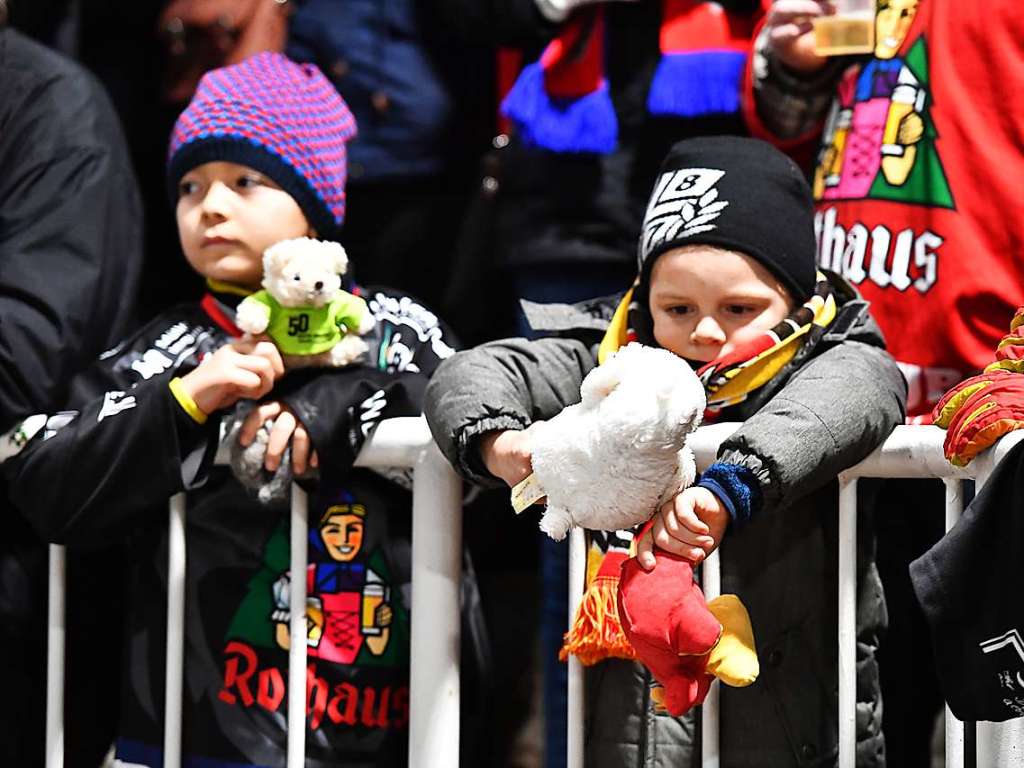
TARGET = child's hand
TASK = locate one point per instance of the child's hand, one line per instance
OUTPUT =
(790, 34)
(691, 526)
(286, 427)
(242, 369)
(507, 454)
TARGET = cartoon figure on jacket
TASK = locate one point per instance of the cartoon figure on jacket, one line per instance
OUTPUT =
(347, 603)
(879, 139)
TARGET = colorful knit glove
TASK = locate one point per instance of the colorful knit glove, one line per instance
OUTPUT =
(981, 409)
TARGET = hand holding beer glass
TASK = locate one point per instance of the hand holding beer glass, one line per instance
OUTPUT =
(849, 29)
(792, 28)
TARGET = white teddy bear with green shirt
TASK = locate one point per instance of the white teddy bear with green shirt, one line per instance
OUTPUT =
(303, 308)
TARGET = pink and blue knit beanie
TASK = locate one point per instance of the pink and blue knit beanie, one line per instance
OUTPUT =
(278, 117)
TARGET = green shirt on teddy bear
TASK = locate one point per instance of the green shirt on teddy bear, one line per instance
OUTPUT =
(311, 330)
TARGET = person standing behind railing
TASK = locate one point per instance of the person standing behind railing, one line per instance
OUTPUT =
(915, 183)
(70, 258)
(258, 156)
(726, 281)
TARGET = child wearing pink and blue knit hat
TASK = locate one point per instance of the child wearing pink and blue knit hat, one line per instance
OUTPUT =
(258, 156)
(283, 119)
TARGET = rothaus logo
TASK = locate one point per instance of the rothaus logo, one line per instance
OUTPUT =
(900, 260)
(683, 203)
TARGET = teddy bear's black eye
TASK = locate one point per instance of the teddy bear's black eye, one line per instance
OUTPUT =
(296, 278)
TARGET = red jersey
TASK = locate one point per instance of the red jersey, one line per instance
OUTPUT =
(917, 183)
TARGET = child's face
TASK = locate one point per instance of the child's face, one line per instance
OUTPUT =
(706, 301)
(228, 214)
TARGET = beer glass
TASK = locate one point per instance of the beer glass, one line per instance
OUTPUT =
(374, 595)
(850, 29)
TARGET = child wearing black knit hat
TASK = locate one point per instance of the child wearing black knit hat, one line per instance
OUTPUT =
(725, 257)
(258, 156)
(726, 280)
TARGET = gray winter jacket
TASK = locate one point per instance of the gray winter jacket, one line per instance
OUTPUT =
(830, 407)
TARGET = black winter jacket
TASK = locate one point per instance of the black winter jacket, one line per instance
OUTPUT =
(70, 226)
(104, 471)
(70, 259)
(830, 407)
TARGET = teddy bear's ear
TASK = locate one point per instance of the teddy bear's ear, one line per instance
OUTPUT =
(274, 257)
(340, 259)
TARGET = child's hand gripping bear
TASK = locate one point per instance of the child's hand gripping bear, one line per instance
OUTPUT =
(303, 308)
(608, 463)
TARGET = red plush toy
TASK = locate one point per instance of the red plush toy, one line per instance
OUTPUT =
(667, 621)
(683, 640)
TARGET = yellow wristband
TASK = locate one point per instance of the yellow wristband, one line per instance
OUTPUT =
(185, 401)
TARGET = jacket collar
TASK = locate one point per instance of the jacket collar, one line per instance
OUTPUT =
(221, 302)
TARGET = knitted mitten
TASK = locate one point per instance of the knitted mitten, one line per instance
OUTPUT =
(981, 409)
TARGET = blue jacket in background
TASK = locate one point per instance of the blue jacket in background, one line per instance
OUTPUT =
(385, 59)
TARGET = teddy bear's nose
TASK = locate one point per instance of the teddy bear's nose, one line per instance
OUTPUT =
(318, 285)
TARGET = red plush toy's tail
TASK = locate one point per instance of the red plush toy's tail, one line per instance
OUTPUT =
(688, 690)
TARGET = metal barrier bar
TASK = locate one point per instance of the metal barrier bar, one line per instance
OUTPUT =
(436, 551)
(297, 632)
(909, 452)
(916, 452)
(55, 642)
(436, 628)
(847, 621)
(711, 583)
(434, 692)
(954, 728)
(575, 691)
(175, 632)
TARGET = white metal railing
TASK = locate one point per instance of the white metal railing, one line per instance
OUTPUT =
(910, 452)
(435, 633)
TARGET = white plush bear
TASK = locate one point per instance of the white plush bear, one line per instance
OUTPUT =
(303, 308)
(608, 462)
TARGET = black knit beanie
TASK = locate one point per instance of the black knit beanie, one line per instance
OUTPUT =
(735, 193)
